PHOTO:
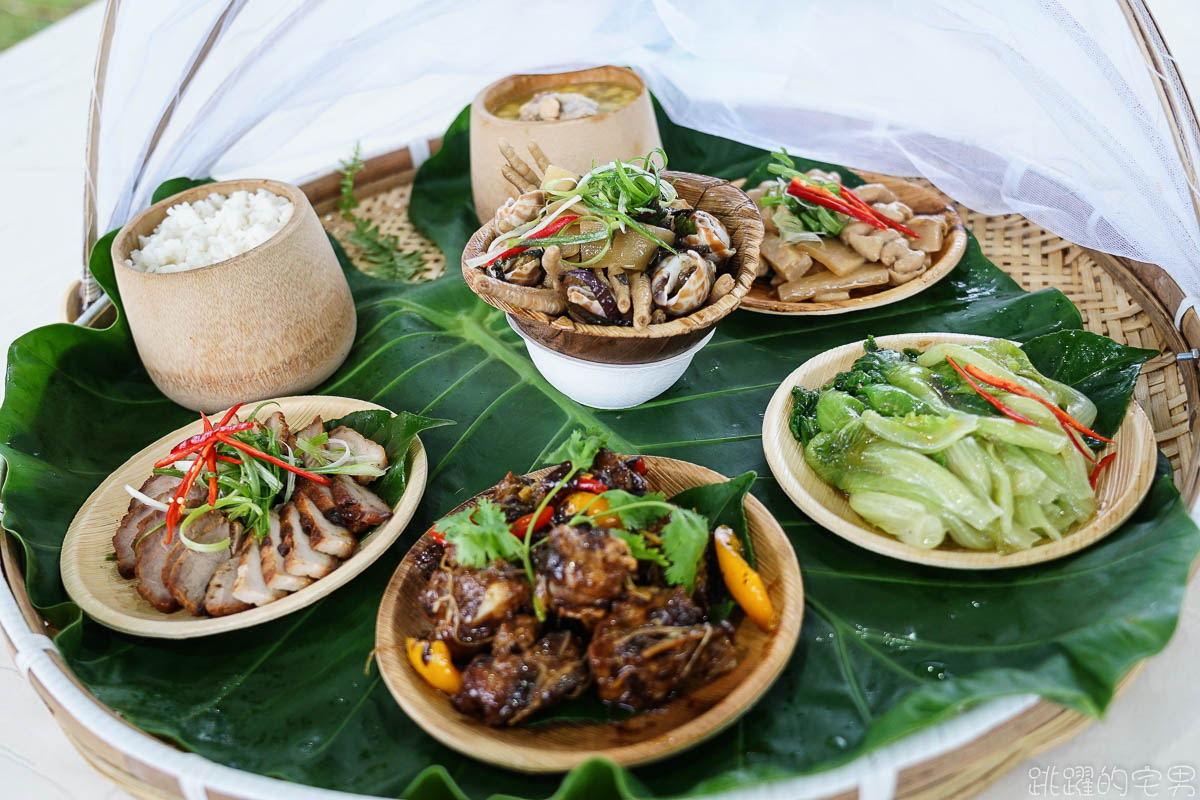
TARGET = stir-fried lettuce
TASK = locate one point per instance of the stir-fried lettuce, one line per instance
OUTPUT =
(924, 456)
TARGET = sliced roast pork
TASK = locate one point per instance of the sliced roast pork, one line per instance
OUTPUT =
(274, 570)
(148, 569)
(278, 424)
(299, 557)
(219, 600)
(158, 487)
(190, 571)
(315, 428)
(249, 585)
(357, 506)
(364, 450)
(325, 536)
(322, 496)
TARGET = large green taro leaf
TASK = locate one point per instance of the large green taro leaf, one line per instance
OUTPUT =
(887, 648)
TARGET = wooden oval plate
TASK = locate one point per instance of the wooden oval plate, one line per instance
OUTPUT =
(1119, 490)
(94, 584)
(761, 297)
(560, 746)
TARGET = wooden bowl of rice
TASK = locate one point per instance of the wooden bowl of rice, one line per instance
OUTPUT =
(274, 320)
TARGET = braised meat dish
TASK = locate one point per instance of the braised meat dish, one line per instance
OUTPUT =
(548, 586)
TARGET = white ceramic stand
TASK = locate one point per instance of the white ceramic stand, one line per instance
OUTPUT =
(608, 386)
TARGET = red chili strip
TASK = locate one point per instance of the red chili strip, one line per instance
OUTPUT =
(1016, 388)
(1003, 409)
(185, 486)
(1104, 462)
(521, 526)
(434, 534)
(254, 451)
(229, 414)
(198, 442)
(590, 485)
(228, 459)
(1078, 446)
(639, 465)
(826, 199)
(858, 202)
(212, 464)
(549, 230)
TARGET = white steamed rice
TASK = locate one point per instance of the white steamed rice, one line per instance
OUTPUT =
(210, 230)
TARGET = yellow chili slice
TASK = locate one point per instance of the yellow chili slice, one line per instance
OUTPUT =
(432, 662)
(744, 583)
(576, 502)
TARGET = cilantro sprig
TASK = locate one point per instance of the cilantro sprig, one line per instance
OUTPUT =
(481, 535)
(683, 538)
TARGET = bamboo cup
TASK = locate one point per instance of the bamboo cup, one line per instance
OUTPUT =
(276, 320)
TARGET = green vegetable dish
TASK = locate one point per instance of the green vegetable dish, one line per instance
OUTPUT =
(965, 441)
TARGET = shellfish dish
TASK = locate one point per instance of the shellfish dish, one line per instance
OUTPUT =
(825, 242)
(615, 246)
(249, 511)
(582, 577)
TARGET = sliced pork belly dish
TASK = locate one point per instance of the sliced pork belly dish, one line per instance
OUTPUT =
(157, 487)
(219, 600)
(274, 570)
(357, 506)
(299, 557)
(325, 536)
(363, 449)
(260, 511)
(152, 554)
(250, 586)
(189, 571)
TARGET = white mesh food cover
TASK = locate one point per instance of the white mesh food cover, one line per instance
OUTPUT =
(1047, 109)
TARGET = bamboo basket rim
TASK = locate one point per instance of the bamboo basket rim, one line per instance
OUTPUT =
(705, 317)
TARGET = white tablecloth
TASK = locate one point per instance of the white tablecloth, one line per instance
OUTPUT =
(44, 86)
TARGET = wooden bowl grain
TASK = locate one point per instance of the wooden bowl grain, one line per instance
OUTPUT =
(275, 320)
(614, 344)
(1119, 489)
(94, 584)
(627, 132)
(559, 746)
(762, 298)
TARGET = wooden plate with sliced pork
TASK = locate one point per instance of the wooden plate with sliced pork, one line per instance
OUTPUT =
(244, 517)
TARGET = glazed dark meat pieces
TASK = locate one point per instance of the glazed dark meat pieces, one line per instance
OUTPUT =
(468, 605)
(655, 644)
(616, 472)
(582, 570)
(517, 495)
(523, 674)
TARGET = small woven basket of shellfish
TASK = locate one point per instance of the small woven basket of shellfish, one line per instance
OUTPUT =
(631, 307)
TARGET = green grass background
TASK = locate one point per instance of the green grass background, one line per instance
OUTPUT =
(20, 19)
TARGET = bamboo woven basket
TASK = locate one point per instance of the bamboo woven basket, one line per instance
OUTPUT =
(1132, 302)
